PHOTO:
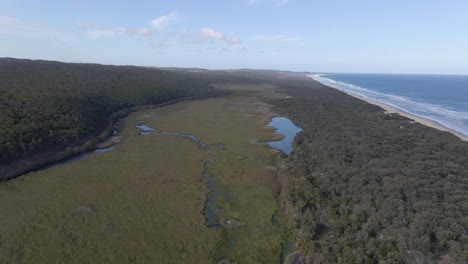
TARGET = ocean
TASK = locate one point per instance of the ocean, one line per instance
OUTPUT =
(442, 98)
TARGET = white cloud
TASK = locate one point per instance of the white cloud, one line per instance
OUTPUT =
(8, 21)
(16, 27)
(240, 48)
(144, 32)
(165, 21)
(85, 25)
(282, 38)
(234, 40)
(95, 32)
(209, 33)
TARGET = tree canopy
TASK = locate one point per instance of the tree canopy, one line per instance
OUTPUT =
(47, 105)
(365, 186)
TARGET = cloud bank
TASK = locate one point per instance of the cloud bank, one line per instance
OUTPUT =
(15, 27)
(165, 21)
(211, 34)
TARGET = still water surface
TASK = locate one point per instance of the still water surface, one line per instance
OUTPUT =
(287, 128)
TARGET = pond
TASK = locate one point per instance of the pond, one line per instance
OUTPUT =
(145, 130)
(287, 128)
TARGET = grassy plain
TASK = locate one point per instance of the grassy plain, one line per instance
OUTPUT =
(143, 202)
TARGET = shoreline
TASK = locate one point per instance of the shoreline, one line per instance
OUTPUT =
(394, 110)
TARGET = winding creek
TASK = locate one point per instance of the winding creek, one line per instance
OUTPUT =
(212, 210)
(202, 145)
(146, 130)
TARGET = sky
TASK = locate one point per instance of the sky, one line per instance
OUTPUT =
(368, 36)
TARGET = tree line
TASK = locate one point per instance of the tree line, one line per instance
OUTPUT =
(48, 106)
(365, 186)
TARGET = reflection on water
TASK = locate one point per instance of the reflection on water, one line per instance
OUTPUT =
(200, 143)
(287, 128)
(78, 157)
(212, 209)
(216, 195)
(145, 130)
(102, 150)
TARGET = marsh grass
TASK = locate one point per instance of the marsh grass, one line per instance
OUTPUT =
(143, 202)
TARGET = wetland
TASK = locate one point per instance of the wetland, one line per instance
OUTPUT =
(217, 180)
(169, 134)
(186, 183)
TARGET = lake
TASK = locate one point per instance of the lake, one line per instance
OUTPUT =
(287, 128)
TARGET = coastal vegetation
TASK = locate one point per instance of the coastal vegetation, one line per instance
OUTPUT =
(365, 186)
(361, 186)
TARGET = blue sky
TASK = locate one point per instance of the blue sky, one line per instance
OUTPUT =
(304, 35)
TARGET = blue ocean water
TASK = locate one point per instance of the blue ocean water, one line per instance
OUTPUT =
(442, 98)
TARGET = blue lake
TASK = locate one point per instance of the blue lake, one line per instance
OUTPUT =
(287, 128)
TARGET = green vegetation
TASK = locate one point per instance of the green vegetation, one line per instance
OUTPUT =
(131, 205)
(364, 186)
(143, 202)
(241, 169)
(50, 107)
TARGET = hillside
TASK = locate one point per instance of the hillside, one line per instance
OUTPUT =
(47, 107)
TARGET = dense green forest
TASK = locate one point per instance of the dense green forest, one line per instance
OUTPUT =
(48, 106)
(364, 186)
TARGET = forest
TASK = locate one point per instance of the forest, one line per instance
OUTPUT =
(52, 107)
(365, 186)
(362, 186)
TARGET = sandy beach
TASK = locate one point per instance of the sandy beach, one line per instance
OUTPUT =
(392, 109)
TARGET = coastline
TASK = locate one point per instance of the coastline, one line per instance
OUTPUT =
(395, 110)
